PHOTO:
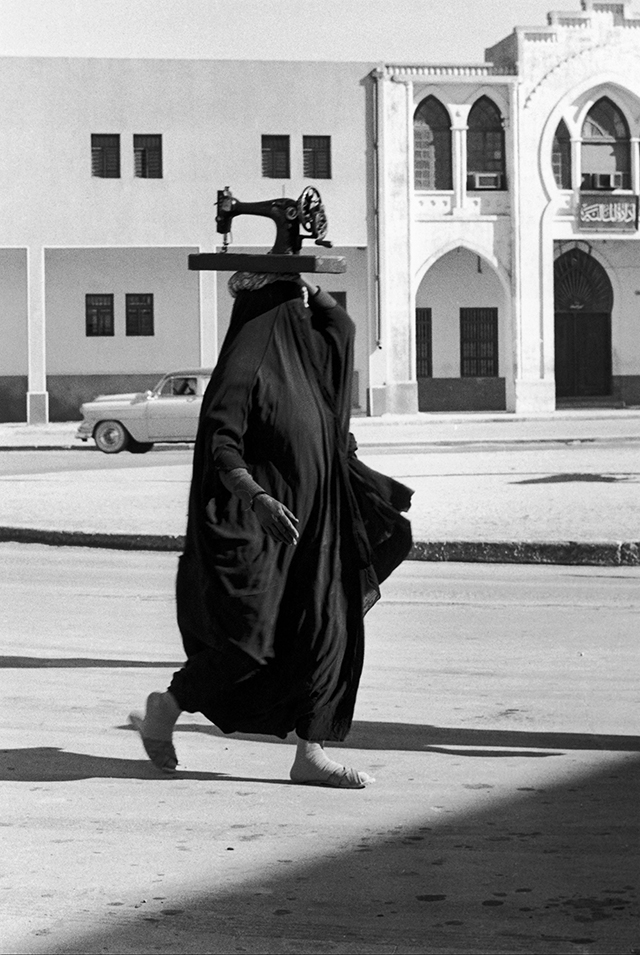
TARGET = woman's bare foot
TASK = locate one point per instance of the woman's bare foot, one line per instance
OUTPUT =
(156, 730)
(313, 767)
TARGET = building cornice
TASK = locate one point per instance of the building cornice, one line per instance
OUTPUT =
(486, 72)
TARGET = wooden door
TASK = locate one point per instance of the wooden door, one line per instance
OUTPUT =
(583, 354)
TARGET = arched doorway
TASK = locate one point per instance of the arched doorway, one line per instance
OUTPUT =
(462, 338)
(583, 300)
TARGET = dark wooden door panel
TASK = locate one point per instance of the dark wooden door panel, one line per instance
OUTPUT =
(593, 348)
(565, 348)
(583, 354)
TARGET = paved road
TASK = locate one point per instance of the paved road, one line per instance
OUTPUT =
(540, 493)
(498, 712)
(90, 459)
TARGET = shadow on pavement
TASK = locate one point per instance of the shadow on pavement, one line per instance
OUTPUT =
(51, 764)
(420, 737)
(550, 870)
(572, 478)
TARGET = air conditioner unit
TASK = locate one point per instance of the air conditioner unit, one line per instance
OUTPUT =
(601, 180)
(486, 180)
(617, 180)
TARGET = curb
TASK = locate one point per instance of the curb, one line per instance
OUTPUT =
(591, 553)
(370, 442)
(587, 553)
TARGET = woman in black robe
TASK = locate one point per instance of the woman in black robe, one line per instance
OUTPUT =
(288, 535)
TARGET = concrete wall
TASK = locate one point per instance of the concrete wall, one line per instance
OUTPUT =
(68, 392)
(622, 261)
(13, 311)
(211, 116)
(455, 282)
(13, 334)
(72, 273)
(462, 279)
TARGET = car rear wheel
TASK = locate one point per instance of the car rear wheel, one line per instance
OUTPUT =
(111, 437)
(139, 447)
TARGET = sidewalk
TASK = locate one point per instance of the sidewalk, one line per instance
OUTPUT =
(446, 428)
(555, 489)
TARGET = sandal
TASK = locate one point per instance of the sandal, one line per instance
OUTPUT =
(160, 751)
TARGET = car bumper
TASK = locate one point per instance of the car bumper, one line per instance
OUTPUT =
(85, 431)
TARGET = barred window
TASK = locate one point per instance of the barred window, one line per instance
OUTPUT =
(139, 314)
(424, 359)
(98, 315)
(316, 157)
(147, 156)
(606, 148)
(275, 157)
(432, 146)
(561, 156)
(479, 342)
(105, 155)
(485, 146)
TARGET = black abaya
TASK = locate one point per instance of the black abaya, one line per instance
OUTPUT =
(273, 633)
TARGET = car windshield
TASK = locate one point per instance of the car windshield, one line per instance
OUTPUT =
(178, 385)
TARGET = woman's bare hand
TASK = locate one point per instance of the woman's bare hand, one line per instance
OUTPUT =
(276, 519)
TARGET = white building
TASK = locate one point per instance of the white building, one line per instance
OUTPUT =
(488, 215)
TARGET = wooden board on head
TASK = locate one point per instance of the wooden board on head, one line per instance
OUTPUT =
(265, 262)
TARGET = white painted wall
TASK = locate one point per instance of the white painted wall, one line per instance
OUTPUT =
(72, 273)
(622, 262)
(211, 116)
(454, 282)
(13, 312)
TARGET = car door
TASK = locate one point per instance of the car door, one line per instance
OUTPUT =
(174, 409)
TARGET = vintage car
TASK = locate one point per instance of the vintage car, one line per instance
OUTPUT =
(136, 421)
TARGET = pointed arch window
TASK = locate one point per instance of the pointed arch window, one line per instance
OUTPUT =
(561, 156)
(485, 146)
(432, 146)
(606, 148)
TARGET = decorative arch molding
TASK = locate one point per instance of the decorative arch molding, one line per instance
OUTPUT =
(604, 56)
(581, 284)
(562, 247)
(434, 92)
(501, 272)
(597, 86)
(494, 93)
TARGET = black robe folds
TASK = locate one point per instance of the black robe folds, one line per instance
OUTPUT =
(274, 634)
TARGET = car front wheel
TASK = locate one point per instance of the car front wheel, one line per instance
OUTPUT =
(111, 437)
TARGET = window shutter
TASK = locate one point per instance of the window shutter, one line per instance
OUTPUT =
(316, 157)
(139, 317)
(275, 157)
(98, 315)
(424, 363)
(147, 156)
(479, 342)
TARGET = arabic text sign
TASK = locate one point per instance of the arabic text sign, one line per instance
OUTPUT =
(614, 213)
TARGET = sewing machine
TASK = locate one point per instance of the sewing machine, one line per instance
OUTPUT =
(290, 217)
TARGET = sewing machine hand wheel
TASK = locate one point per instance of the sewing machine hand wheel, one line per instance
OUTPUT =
(311, 213)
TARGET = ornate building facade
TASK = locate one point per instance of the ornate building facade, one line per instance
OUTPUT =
(508, 222)
(488, 214)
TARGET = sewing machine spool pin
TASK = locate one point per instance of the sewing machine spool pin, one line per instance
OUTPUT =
(289, 216)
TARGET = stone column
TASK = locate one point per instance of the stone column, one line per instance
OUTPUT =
(576, 164)
(635, 164)
(37, 395)
(208, 318)
(394, 388)
(533, 385)
(460, 115)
